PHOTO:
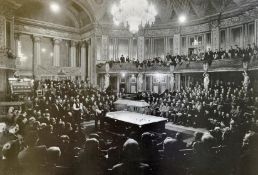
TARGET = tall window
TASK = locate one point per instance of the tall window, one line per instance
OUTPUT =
(98, 50)
(123, 47)
(64, 53)
(208, 40)
(171, 45)
(111, 49)
(183, 45)
(8, 34)
(147, 49)
(25, 52)
(223, 39)
(251, 38)
(46, 53)
(159, 47)
(236, 36)
(134, 48)
(78, 56)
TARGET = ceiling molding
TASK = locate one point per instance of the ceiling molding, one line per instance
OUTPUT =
(27, 21)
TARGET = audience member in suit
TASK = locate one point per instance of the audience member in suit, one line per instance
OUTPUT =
(90, 162)
(131, 164)
(32, 157)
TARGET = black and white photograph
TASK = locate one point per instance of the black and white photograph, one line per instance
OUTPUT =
(128, 87)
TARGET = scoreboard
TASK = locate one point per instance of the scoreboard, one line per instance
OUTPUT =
(20, 86)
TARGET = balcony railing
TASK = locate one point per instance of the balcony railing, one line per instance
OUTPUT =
(183, 67)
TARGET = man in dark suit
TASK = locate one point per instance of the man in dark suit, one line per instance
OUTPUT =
(131, 165)
(55, 111)
(32, 157)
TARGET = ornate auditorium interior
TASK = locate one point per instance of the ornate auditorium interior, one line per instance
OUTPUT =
(128, 87)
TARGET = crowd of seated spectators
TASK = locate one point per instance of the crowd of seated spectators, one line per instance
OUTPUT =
(246, 54)
(48, 138)
(196, 107)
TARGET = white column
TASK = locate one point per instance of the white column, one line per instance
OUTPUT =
(17, 49)
(172, 82)
(215, 38)
(228, 42)
(83, 60)
(176, 44)
(89, 59)
(73, 53)
(140, 82)
(36, 55)
(56, 61)
(178, 82)
(140, 48)
(93, 61)
(2, 31)
(107, 81)
(104, 47)
(256, 31)
(166, 46)
(130, 53)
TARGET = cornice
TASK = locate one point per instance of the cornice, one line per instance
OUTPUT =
(20, 20)
(43, 31)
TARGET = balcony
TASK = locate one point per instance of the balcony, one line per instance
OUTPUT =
(184, 67)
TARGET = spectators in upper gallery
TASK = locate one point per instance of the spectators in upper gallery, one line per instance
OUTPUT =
(247, 54)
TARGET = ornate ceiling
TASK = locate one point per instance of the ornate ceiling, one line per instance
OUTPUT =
(79, 13)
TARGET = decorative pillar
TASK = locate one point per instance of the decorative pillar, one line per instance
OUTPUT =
(140, 48)
(56, 61)
(17, 47)
(2, 31)
(73, 54)
(186, 45)
(140, 82)
(36, 55)
(245, 34)
(93, 65)
(116, 57)
(204, 43)
(172, 78)
(107, 81)
(92, 73)
(172, 82)
(256, 31)
(215, 38)
(246, 81)
(83, 60)
(178, 82)
(130, 48)
(166, 47)
(89, 59)
(176, 44)
(206, 81)
(228, 34)
(104, 47)
(152, 47)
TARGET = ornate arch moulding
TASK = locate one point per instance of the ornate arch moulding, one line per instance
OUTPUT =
(34, 30)
(87, 8)
(27, 21)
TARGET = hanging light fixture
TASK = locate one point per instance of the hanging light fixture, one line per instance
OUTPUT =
(133, 15)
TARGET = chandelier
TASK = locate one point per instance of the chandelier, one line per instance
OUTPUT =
(133, 14)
